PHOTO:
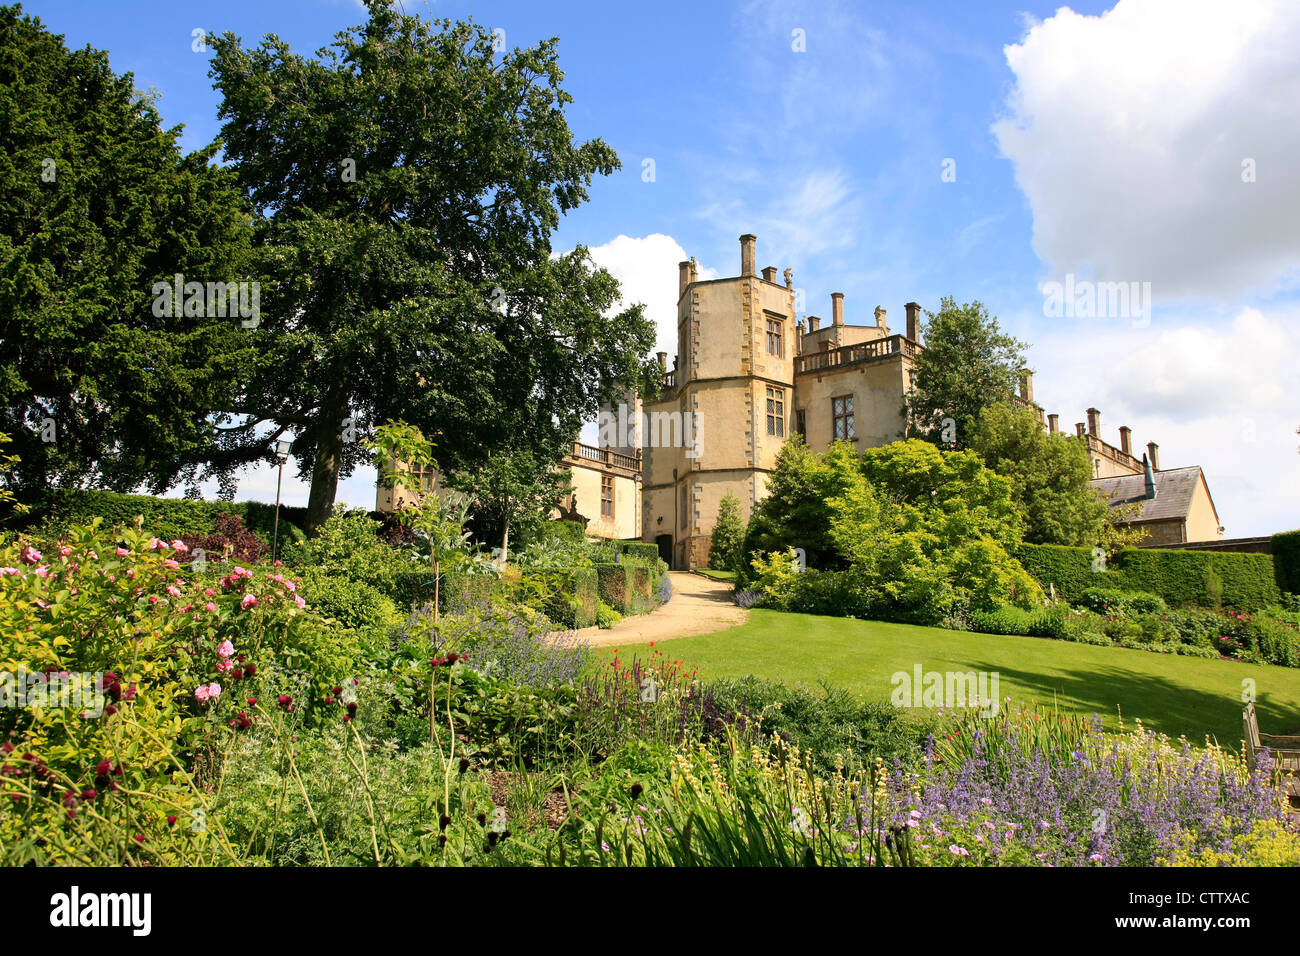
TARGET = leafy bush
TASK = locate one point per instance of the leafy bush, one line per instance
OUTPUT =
(230, 542)
(353, 604)
(826, 726)
(726, 548)
(1003, 620)
(606, 616)
(1115, 601)
(612, 586)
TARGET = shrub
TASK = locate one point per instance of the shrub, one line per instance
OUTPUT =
(1286, 560)
(230, 542)
(1115, 601)
(1003, 620)
(612, 587)
(606, 616)
(353, 604)
(727, 544)
(1246, 581)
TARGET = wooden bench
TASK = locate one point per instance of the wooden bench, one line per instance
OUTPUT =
(1284, 751)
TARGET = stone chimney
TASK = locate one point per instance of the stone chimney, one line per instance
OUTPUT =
(1154, 451)
(913, 321)
(663, 361)
(1053, 423)
(683, 276)
(880, 317)
(837, 308)
(1027, 385)
(1150, 483)
(770, 273)
(814, 323)
(1078, 429)
(1094, 423)
(1126, 439)
(748, 255)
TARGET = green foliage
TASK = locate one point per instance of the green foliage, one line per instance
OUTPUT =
(606, 616)
(825, 726)
(1114, 601)
(97, 204)
(1050, 474)
(727, 547)
(1286, 560)
(796, 512)
(967, 365)
(54, 510)
(355, 605)
(415, 275)
(611, 580)
(513, 491)
(1178, 577)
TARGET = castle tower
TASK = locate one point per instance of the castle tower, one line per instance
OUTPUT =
(724, 411)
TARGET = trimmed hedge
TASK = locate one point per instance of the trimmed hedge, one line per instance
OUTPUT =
(1286, 560)
(641, 550)
(1245, 582)
(575, 605)
(612, 586)
(58, 508)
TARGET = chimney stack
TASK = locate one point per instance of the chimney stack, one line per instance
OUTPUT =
(683, 277)
(1027, 386)
(1126, 439)
(770, 273)
(1150, 483)
(880, 317)
(837, 308)
(1094, 423)
(1053, 423)
(1154, 451)
(814, 322)
(748, 255)
(913, 321)
(1078, 429)
(663, 361)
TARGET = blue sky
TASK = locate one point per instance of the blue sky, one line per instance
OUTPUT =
(1144, 141)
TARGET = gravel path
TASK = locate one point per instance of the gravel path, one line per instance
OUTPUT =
(699, 605)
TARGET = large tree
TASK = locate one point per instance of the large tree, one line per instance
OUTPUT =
(97, 204)
(968, 363)
(409, 178)
(1051, 475)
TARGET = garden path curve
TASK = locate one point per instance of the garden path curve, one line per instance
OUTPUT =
(699, 605)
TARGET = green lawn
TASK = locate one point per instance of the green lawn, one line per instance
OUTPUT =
(717, 575)
(1175, 695)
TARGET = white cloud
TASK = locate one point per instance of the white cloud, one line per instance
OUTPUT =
(646, 270)
(1220, 396)
(1128, 132)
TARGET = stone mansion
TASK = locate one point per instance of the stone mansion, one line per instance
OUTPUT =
(749, 373)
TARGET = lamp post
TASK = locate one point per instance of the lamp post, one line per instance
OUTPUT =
(282, 452)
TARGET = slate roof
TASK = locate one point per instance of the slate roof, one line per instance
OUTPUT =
(1174, 490)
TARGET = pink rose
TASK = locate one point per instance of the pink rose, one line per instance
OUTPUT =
(297, 599)
(214, 690)
(202, 693)
(225, 649)
(210, 607)
(171, 564)
(179, 545)
(173, 590)
(64, 551)
(248, 601)
(122, 552)
(208, 592)
(29, 555)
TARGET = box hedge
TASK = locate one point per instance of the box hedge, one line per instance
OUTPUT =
(55, 509)
(1286, 560)
(641, 550)
(1205, 578)
(612, 586)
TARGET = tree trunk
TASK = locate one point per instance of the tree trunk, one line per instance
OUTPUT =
(505, 541)
(325, 470)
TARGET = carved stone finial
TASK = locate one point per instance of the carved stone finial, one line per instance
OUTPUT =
(789, 278)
